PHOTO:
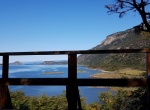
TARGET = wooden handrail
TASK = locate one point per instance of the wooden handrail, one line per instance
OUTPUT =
(145, 50)
(132, 82)
(72, 82)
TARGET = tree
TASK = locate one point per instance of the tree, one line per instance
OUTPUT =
(121, 7)
(106, 100)
(123, 99)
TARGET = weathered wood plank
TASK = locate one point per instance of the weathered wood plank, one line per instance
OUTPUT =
(148, 79)
(5, 66)
(77, 52)
(72, 88)
(35, 81)
(5, 99)
(140, 82)
(148, 64)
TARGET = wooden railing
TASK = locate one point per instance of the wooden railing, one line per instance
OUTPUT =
(71, 82)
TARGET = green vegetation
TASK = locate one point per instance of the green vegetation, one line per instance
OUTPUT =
(132, 72)
(122, 100)
(22, 102)
(112, 62)
(122, 73)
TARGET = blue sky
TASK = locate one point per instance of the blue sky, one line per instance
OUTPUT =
(53, 25)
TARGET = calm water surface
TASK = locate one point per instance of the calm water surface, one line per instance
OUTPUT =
(38, 71)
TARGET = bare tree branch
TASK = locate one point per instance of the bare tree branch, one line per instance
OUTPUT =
(121, 7)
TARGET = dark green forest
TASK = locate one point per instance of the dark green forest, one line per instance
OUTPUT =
(121, 100)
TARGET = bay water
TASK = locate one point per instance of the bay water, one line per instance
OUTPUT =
(52, 71)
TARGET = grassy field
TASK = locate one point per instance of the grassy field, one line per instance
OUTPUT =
(123, 73)
(132, 72)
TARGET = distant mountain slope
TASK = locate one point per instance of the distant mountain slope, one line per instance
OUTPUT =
(120, 40)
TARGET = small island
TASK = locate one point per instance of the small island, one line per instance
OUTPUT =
(81, 71)
(53, 72)
(54, 63)
(16, 63)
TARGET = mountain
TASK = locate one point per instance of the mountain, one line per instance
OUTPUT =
(54, 63)
(16, 63)
(120, 40)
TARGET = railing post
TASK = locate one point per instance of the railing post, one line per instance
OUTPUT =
(72, 89)
(5, 100)
(148, 78)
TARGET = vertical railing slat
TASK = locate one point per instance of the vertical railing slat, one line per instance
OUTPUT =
(72, 89)
(5, 66)
(148, 64)
(148, 78)
(5, 100)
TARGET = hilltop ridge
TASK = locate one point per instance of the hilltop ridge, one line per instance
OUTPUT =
(120, 40)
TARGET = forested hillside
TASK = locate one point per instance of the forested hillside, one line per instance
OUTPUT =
(120, 40)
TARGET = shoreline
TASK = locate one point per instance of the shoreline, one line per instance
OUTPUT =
(122, 73)
(113, 76)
